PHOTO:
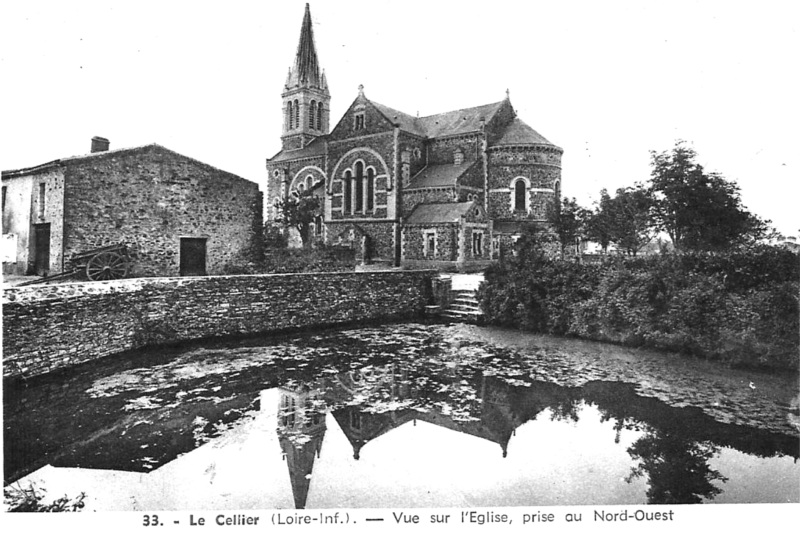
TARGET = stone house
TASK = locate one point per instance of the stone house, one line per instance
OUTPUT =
(176, 215)
(392, 180)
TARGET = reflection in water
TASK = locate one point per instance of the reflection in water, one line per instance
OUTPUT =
(544, 443)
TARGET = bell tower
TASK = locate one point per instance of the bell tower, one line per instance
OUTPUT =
(306, 100)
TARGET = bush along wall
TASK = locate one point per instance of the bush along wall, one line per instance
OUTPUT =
(741, 307)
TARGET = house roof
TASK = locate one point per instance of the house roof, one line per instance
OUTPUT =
(446, 212)
(439, 175)
(111, 153)
(313, 149)
(519, 133)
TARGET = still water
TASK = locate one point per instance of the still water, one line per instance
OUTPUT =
(406, 415)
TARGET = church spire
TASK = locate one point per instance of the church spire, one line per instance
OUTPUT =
(306, 99)
(306, 72)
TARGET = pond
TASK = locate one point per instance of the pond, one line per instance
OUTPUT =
(403, 415)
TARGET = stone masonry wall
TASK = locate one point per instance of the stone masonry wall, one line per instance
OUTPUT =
(150, 198)
(47, 328)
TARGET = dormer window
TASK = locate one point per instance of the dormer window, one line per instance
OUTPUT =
(458, 157)
(359, 121)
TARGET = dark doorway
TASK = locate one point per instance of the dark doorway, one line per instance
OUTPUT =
(41, 249)
(193, 256)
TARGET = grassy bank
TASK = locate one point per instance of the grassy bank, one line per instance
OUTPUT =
(740, 308)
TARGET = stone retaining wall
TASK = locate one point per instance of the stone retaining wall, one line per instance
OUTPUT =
(51, 327)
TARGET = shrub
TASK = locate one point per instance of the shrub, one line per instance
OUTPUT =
(739, 307)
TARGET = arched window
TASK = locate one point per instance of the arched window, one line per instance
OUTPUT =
(309, 182)
(348, 192)
(319, 116)
(312, 113)
(359, 187)
(370, 189)
(520, 194)
(289, 116)
(557, 188)
(296, 114)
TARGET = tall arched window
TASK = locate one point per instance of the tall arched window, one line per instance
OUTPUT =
(520, 202)
(309, 181)
(290, 116)
(557, 188)
(319, 116)
(312, 112)
(348, 192)
(359, 187)
(370, 189)
(296, 114)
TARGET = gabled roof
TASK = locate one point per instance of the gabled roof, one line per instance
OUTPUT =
(519, 133)
(313, 149)
(407, 122)
(439, 175)
(110, 154)
(458, 121)
(443, 124)
(446, 212)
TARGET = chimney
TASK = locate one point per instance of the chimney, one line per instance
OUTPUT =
(99, 144)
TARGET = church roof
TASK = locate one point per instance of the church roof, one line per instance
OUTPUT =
(306, 72)
(519, 133)
(442, 124)
(458, 121)
(313, 149)
(446, 212)
(439, 175)
(406, 121)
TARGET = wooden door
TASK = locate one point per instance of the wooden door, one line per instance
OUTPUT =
(41, 249)
(193, 256)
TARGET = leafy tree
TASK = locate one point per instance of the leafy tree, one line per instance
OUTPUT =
(299, 211)
(631, 218)
(568, 221)
(699, 210)
(599, 223)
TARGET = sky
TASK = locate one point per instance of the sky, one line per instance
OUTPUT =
(606, 81)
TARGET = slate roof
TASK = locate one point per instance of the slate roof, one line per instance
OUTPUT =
(446, 212)
(458, 121)
(519, 133)
(443, 124)
(439, 175)
(315, 148)
(407, 122)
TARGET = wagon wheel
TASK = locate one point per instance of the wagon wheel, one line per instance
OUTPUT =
(106, 266)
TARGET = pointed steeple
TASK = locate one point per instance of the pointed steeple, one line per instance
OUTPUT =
(306, 72)
(306, 99)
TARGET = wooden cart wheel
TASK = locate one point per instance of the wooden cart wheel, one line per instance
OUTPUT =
(107, 266)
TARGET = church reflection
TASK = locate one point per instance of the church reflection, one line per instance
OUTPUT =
(371, 401)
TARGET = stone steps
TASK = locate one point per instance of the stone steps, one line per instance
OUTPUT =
(464, 307)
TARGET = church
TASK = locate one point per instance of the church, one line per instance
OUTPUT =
(450, 191)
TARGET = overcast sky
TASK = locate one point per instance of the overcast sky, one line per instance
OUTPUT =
(607, 81)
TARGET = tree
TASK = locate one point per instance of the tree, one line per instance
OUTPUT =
(568, 220)
(631, 218)
(599, 223)
(699, 210)
(299, 210)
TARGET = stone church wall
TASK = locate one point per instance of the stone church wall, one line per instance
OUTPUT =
(48, 328)
(150, 199)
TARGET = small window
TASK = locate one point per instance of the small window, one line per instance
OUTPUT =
(520, 194)
(359, 121)
(309, 181)
(42, 196)
(429, 244)
(458, 157)
(477, 243)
